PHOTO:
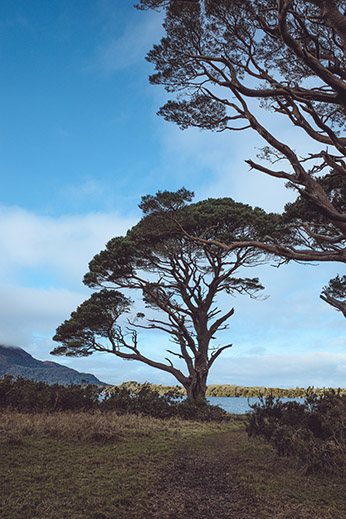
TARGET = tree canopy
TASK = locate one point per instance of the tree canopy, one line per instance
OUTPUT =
(217, 58)
(176, 282)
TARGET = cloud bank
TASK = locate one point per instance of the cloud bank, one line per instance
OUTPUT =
(63, 245)
(42, 264)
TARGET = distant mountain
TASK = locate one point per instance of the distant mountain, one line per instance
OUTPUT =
(19, 363)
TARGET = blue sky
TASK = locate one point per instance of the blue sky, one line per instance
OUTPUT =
(80, 143)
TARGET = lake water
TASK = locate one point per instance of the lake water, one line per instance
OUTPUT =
(240, 405)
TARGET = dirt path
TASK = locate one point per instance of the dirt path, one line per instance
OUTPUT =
(205, 483)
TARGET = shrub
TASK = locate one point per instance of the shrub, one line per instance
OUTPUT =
(314, 431)
(30, 396)
(201, 411)
(147, 402)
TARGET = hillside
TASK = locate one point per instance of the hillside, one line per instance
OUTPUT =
(18, 363)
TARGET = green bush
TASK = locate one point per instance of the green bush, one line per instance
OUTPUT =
(30, 396)
(314, 431)
(143, 401)
(147, 402)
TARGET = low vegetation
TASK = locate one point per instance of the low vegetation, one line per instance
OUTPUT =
(72, 453)
(30, 396)
(99, 465)
(85, 464)
(313, 431)
(100, 427)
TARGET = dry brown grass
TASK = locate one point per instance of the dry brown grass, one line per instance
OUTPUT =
(98, 426)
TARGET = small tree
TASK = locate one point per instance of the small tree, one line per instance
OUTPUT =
(179, 281)
(218, 57)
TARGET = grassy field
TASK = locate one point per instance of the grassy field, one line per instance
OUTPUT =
(104, 466)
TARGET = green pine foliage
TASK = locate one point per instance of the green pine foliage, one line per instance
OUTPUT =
(175, 281)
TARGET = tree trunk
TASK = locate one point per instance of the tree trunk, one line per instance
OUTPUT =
(196, 387)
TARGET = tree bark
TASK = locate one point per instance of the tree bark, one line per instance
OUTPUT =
(196, 386)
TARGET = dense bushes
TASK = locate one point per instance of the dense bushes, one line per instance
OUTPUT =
(29, 396)
(314, 431)
(145, 401)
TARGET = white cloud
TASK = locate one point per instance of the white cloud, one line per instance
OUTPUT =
(51, 255)
(319, 369)
(29, 315)
(293, 319)
(64, 245)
